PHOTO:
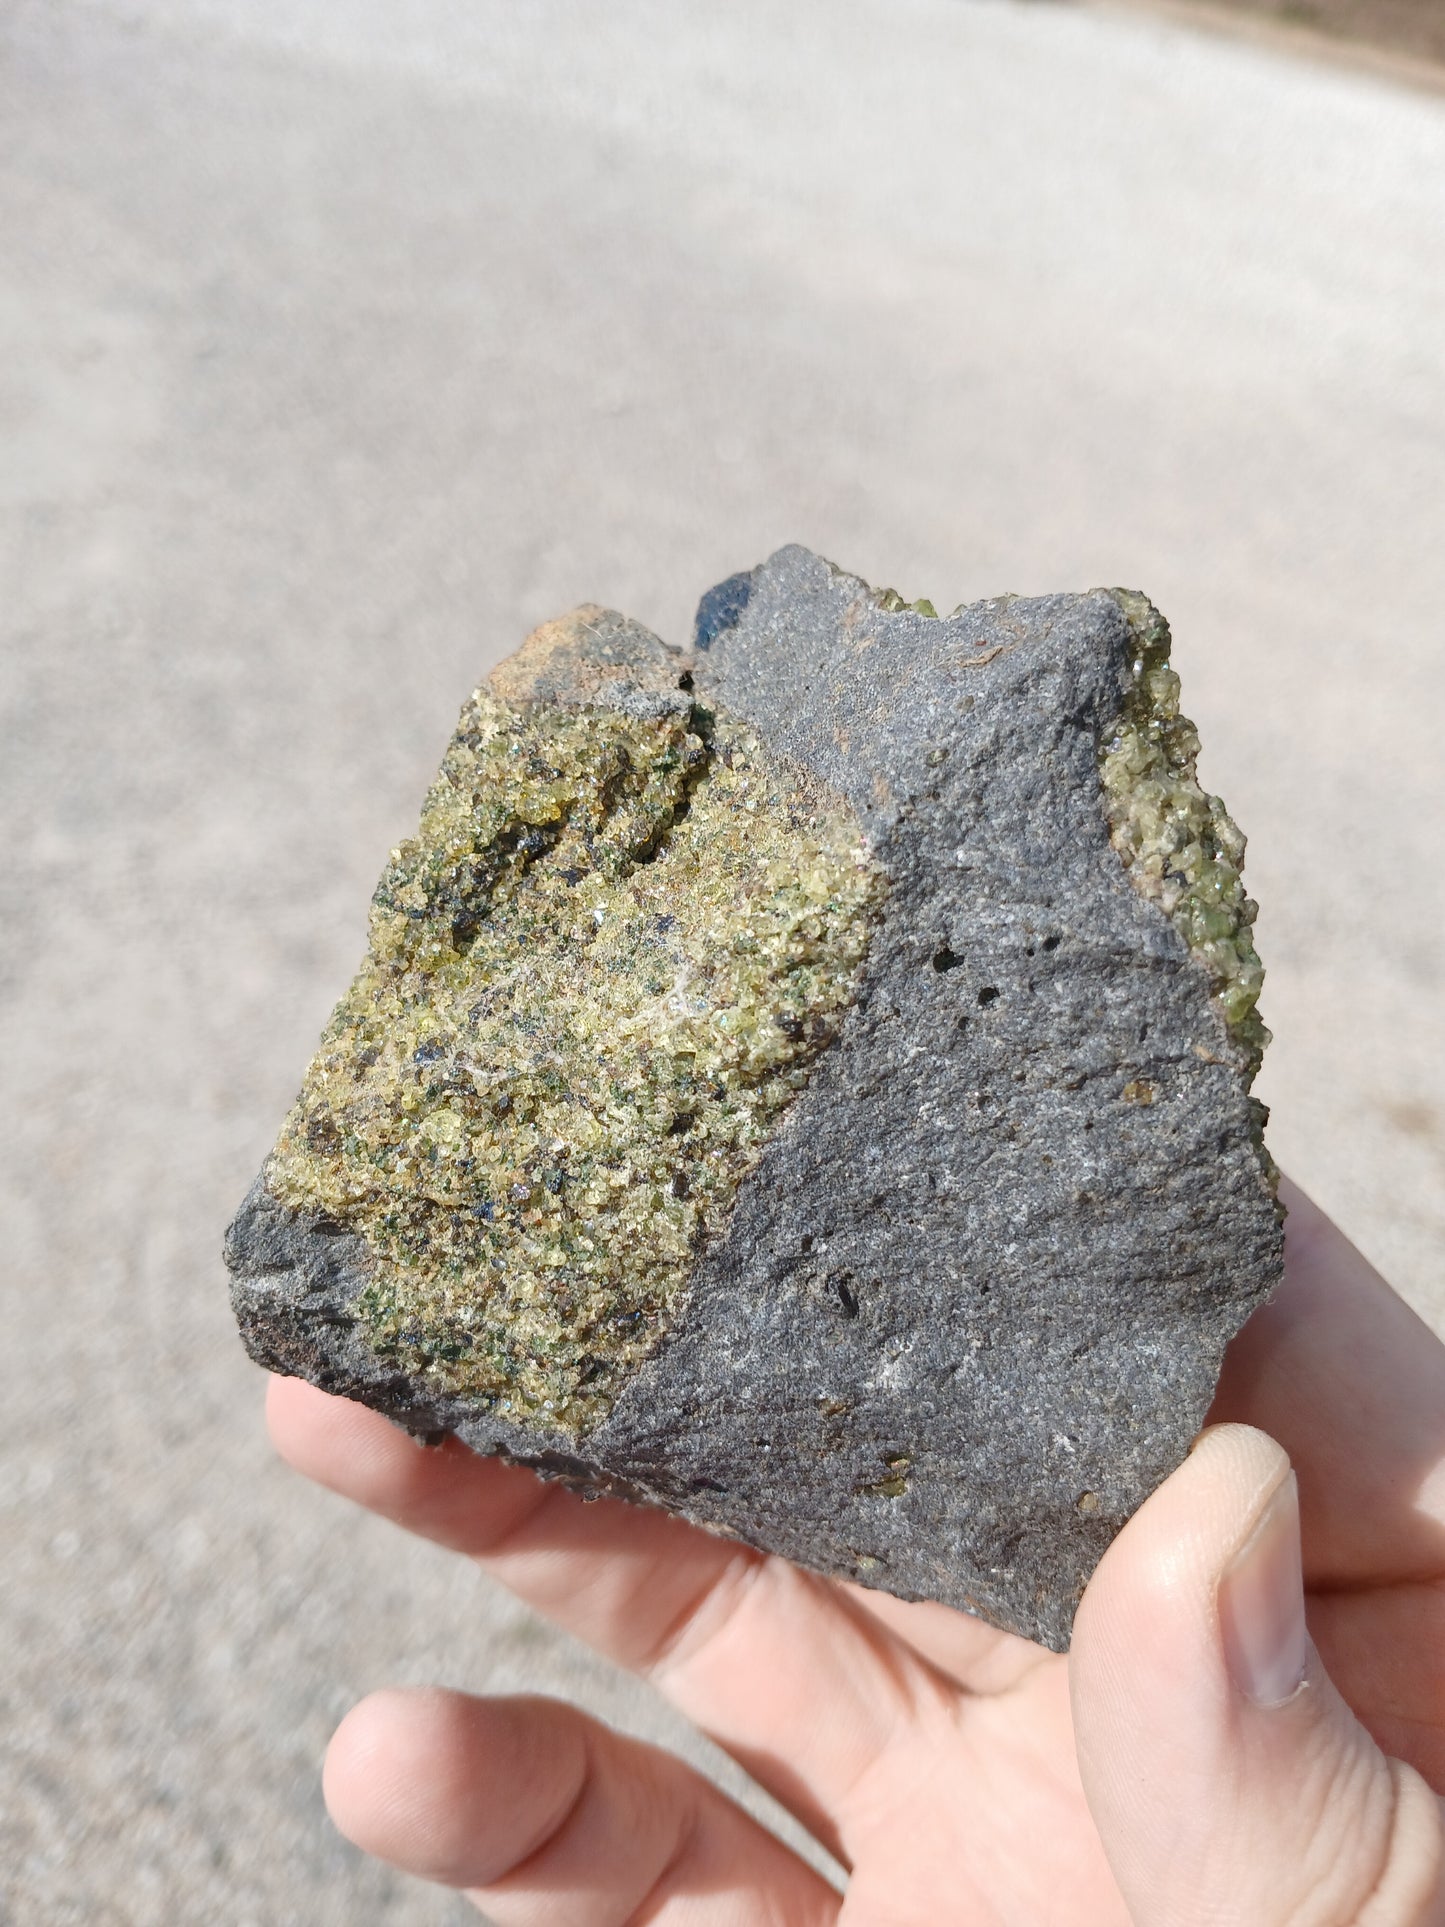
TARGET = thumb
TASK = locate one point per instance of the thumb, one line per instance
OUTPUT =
(1229, 1781)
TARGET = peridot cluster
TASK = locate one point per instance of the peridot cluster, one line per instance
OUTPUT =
(596, 977)
(1181, 846)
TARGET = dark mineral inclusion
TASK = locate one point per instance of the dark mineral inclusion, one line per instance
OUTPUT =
(801, 1083)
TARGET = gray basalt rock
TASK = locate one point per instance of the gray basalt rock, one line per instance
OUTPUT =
(803, 1084)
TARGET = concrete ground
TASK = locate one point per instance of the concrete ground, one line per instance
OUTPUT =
(341, 343)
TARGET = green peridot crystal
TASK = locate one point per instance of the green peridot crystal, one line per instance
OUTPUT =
(595, 978)
(891, 603)
(1180, 845)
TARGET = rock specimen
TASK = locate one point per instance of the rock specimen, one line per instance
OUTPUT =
(802, 1083)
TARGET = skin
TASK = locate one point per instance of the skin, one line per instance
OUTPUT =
(957, 1773)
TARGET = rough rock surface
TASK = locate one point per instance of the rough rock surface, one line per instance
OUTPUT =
(967, 1303)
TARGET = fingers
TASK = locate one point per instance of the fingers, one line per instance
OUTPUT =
(1385, 1651)
(798, 1683)
(545, 1816)
(980, 1657)
(1228, 1779)
(1352, 1384)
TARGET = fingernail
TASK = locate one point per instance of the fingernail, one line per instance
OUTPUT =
(1262, 1604)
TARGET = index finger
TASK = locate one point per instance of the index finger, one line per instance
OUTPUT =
(802, 1687)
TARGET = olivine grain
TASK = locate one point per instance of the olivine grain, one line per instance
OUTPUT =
(803, 1083)
(596, 976)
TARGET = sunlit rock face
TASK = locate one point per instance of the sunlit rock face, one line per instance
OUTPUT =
(1181, 846)
(596, 978)
(801, 1082)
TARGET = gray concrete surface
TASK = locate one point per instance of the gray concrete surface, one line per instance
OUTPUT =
(341, 343)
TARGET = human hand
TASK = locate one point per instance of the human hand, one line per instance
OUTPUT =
(1168, 1772)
